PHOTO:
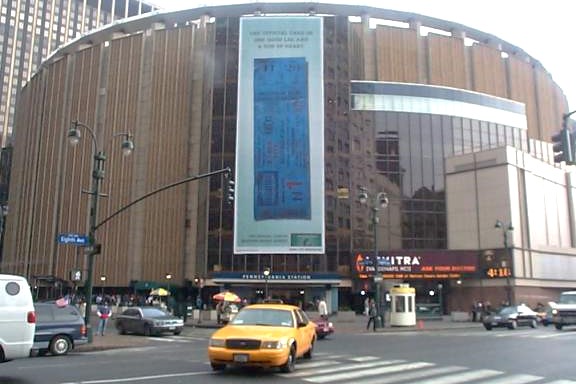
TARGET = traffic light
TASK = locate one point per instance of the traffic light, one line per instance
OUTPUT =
(230, 189)
(562, 146)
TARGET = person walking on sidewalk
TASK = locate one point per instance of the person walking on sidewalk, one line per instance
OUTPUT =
(103, 313)
(323, 308)
(372, 314)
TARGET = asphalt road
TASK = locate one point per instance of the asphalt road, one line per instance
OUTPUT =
(538, 356)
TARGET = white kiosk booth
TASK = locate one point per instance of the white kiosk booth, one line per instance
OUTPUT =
(403, 308)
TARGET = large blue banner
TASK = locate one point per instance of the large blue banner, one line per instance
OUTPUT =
(281, 139)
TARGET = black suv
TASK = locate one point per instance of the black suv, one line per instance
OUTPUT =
(59, 328)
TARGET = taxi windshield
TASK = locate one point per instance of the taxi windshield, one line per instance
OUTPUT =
(265, 317)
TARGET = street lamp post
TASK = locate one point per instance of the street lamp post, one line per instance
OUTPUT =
(103, 280)
(440, 299)
(379, 201)
(93, 248)
(168, 277)
(504, 263)
(266, 277)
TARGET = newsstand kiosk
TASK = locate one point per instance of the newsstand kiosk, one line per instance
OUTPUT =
(403, 308)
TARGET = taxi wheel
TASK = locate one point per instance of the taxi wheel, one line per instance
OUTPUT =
(513, 324)
(534, 324)
(488, 327)
(289, 366)
(308, 354)
(218, 367)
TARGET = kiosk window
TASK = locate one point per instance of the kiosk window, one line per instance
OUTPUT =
(400, 304)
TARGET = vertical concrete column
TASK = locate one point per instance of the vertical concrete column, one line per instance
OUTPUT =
(144, 108)
(369, 48)
(422, 52)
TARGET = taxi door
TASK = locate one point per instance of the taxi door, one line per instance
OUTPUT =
(305, 334)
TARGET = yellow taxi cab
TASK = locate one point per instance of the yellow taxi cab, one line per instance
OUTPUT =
(263, 335)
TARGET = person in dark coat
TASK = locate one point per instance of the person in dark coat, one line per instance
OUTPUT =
(372, 315)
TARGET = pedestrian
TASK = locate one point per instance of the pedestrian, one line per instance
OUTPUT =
(366, 306)
(103, 313)
(372, 315)
(323, 308)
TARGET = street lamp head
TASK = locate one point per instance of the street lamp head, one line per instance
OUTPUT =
(266, 272)
(168, 276)
(383, 200)
(499, 224)
(102, 278)
(127, 146)
(363, 196)
(74, 135)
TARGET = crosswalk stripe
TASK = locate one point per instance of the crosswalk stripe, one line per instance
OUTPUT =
(551, 335)
(373, 371)
(365, 358)
(513, 379)
(343, 367)
(562, 382)
(462, 377)
(315, 364)
(413, 375)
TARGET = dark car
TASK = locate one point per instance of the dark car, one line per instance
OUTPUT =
(512, 317)
(324, 327)
(59, 328)
(148, 321)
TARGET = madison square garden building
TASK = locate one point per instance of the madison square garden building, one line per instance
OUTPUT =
(312, 106)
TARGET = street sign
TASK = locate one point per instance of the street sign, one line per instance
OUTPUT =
(72, 238)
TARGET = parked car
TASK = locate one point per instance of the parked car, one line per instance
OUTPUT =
(511, 317)
(17, 318)
(324, 327)
(545, 316)
(59, 329)
(263, 335)
(148, 321)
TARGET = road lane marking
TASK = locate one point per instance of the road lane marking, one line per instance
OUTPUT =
(343, 367)
(370, 372)
(315, 364)
(513, 379)
(462, 377)
(365, 358)
(140, 378)
(562, 382)
(413, 375)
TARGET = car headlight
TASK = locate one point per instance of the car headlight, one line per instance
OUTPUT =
(330, 325)
(272, 344)
(554, 312)
(217, 343)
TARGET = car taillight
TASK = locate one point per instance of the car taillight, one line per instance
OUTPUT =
(31, 317)
(83, 330)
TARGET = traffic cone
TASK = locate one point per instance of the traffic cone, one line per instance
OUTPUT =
(420, 324)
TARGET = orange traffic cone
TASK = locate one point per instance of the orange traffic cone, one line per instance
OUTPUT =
(420, 324)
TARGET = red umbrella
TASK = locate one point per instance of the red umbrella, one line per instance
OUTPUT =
(227, 296)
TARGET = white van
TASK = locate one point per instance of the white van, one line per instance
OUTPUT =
(17, 318)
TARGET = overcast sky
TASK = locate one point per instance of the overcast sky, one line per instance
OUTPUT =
(543, 29)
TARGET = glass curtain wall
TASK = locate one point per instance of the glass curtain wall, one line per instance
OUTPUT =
(410, 151)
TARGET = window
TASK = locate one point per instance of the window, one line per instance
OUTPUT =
(66, 313)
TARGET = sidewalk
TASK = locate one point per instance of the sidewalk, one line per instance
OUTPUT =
(358, 324)
(113, 340)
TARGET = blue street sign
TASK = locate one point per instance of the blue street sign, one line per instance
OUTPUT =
(72, 238)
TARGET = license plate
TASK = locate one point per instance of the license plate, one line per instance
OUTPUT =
(171, 328)
(240, 358)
